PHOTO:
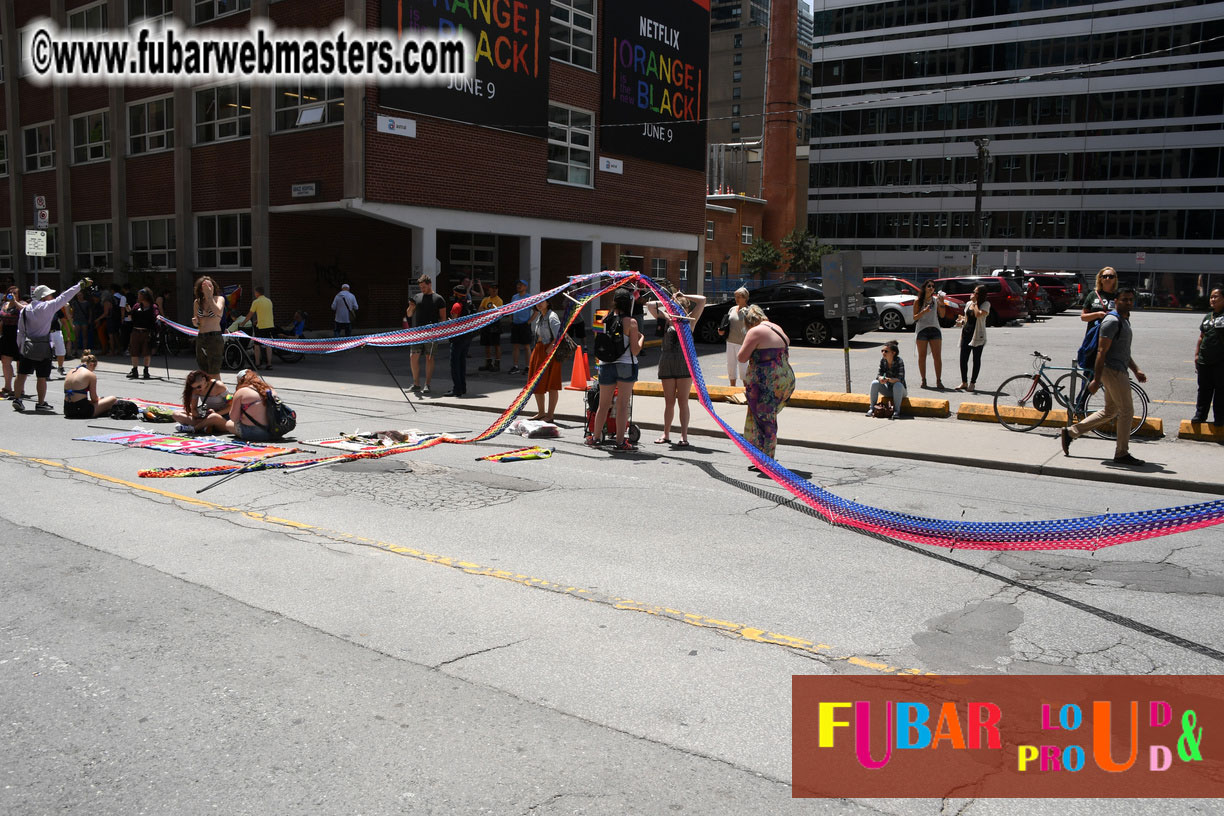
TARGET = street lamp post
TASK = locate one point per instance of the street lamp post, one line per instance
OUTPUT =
(977, 202)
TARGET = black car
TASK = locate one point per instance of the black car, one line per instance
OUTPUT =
(795, 306)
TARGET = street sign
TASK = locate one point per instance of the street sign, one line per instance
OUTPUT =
(975, 247)
(843, 275)
(1140, 257)
(41, 217)
(36, 243)
(40, 202)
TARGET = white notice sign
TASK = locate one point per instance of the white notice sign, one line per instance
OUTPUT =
(1140, 257)
(397, 125)
(611, 165)
(36, 243)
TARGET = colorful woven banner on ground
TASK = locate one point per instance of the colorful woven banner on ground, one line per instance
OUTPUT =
(1086, 533)
(520, 455)
(229, 450)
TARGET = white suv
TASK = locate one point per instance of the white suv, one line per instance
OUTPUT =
(894, 299)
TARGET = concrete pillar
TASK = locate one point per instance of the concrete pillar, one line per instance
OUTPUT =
(592, 255)
(529, 261)
(425, 252)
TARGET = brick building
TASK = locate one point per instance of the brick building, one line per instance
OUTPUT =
(304, 186)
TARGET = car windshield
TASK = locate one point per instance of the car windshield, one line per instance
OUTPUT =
(1014, 285)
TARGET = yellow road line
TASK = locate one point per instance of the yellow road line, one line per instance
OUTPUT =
(740, 631)
(1173, 402)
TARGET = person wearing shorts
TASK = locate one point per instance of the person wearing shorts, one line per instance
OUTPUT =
(208, 307)
(618, 376)
(427, 307)
(928, 308)
(260, 317)
(520, 331)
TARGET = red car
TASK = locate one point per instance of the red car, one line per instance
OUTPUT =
(1006, 295)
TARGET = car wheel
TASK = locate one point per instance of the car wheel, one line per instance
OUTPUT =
(891, 320)
(707, 332)
(817, 333)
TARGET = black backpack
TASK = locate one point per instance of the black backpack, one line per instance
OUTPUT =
(610, 345)
(281, 418)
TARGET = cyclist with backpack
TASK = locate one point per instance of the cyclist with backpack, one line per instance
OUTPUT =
(617, 374)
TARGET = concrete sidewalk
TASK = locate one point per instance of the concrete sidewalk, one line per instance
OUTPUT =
(1172, 463)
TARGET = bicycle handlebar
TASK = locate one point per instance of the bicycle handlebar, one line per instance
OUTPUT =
(1039, 355)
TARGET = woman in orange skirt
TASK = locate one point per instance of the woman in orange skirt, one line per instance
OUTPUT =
(546, 327)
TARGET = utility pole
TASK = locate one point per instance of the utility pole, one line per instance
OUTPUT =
(982, 155)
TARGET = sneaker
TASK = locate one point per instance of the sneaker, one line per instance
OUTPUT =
(451, 394)
(870, 413)
(1065, 437)
(589, 441)
(416, 388)
(1196, 418)
(513, 370)
(133, 374)
(486, 367)
(1129, 461)
(146, 374)
(44, 406)
(625, 446)
(18, 405)
(61, 371)
(497, 365)
(425, 389)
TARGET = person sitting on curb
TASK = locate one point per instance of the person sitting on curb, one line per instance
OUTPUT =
(81, 391)
(890, 380)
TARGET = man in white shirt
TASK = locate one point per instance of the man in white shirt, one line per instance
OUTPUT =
(344, 304)
(35, 323)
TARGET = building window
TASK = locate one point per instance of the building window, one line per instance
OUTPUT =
(148, 12)
(88, 20)
(735, 110)
(93, 246)
(223, 113)
(3, 154)
(683, 269)
(90, 138)
(737, 59)
(153, 243)
(735, 127)
(151, 126)
(709, 270)
(301, 104)
(570, 137)
(1, 62)
(39, 147)
(722, 269)
(735, 93)
(475, 252)
(746, 234)
(736, 76)
(571, 32)
(709, 230)
(6, 250)
(223, 241)
(737, 41)
(206, 10)
(658, 268)
(51, 261)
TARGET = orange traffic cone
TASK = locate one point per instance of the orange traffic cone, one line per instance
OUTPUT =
(580, 375)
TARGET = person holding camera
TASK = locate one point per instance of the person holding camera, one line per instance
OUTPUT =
(34, 341)
(889, 381)
(928, 308)
(9, 352)
(205, 404)
(733, 328)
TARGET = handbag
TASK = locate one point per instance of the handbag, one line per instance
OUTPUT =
(565, 349)
(35, 348)
(882, 409)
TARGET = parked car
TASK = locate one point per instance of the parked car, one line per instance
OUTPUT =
(1063, 288)
(894, 299)
(797, 307)
(1006, 295)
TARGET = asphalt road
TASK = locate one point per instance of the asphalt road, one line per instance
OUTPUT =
(586, 634)
(1163, 348)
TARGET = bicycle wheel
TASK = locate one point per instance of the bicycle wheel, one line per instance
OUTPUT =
(232, 358)
(1022, 403)
(1070, 387)
(1140, 409)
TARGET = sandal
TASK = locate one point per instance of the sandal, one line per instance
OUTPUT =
(589, 441)
(924, 385)
(962, 387)
(683, 443)
(662, 440)
(625, 446)
(939, 386)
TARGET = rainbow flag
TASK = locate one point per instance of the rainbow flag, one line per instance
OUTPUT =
(232, 295)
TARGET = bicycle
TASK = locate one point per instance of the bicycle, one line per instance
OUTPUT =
(1037, 392)
(237, 352)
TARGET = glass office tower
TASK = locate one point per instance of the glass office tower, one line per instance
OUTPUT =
(1100, 127)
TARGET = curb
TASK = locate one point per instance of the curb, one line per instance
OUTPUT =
(1104, 474)
(1200, 431)
(827, 400)
(1152, 427)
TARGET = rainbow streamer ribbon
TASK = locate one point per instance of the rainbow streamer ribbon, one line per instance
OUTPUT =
(1084, 533)
(520, 455)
